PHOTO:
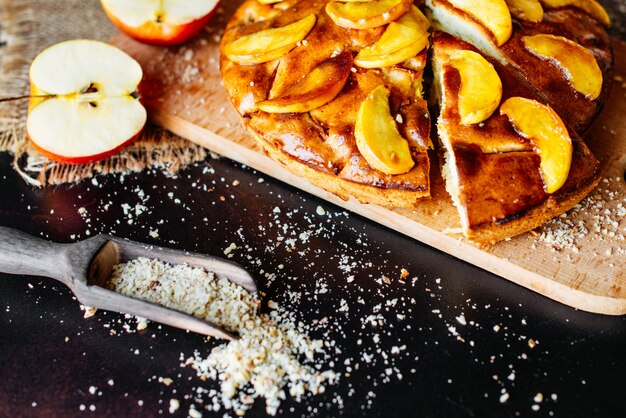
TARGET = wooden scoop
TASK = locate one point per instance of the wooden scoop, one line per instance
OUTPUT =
(86, 266)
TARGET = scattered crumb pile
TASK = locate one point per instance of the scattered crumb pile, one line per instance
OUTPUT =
(191, 290)
(605, 212)
(273, 353)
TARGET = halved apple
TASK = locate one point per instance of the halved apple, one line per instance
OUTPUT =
(403, 39)
(366, 14)
(269, 44)
(92, 109)
(481, 88)
(160, 22)
(492, 14)
(548, 134)
(528, 10)
(578, 64)
(316, 89)
(377, 136)
(589, 6)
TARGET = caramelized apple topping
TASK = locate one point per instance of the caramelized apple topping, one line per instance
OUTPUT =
(269, 44)
(377, 136)
(578, 64)
(316, 89)
(481, 87)
(492, 14)
(528, 10)
(366, 14)
(402, 40)
(591, 7)
(548, 134)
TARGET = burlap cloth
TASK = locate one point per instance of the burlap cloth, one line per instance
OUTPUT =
(26, 28)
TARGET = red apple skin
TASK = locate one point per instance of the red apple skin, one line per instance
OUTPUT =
(86, 159)
(163, 34)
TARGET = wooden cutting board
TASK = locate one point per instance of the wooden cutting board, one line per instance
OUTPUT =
(186, 96)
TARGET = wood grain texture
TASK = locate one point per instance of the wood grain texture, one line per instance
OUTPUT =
(184, 92)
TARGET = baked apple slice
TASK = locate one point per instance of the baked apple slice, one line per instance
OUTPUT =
(87, 107)
(528, 10)
(160, 22)
(402, 40)
(481, 88)
(547, 133)
(577, 64)
(492, 14)
(591, 7)
(393, 58)
(366, 14)
(316, 89)
(269, 44)
(377, 136)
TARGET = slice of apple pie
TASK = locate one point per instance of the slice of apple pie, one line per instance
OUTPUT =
(509, 161)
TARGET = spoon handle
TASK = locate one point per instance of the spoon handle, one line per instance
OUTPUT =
(23, 254)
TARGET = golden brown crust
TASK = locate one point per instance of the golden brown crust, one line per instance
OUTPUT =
(320, 144)
(534, 207)
(496, 187)
(363, 193)
(489, 234)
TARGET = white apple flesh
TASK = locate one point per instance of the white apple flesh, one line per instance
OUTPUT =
(160, 22)
(92, 110)
(137, 12)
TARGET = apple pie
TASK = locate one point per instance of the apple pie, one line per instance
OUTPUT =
(334, 90)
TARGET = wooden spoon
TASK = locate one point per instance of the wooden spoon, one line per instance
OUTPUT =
(87, 265)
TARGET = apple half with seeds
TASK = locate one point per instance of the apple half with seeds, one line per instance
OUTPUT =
(160, 22)
(85, 105)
